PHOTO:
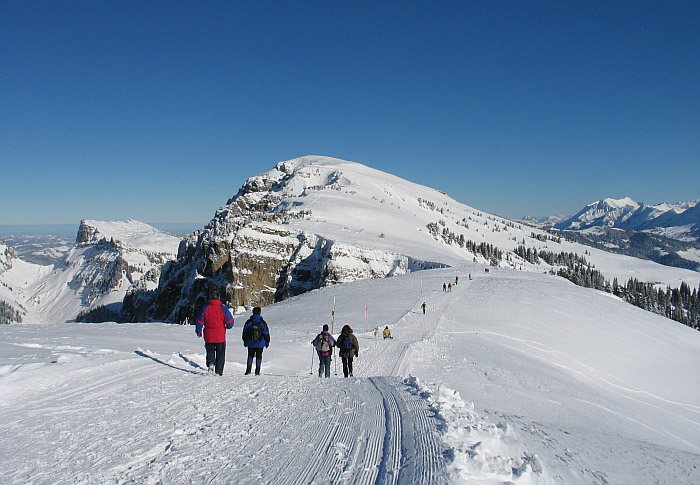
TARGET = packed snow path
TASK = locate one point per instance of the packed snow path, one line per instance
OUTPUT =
(165, 420)
(159, 418)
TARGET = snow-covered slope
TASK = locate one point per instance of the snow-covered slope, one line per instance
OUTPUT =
(316, 221)
(108, 259)
(11, 311)
(512, 377)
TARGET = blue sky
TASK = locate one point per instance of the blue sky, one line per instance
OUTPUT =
(159, 111)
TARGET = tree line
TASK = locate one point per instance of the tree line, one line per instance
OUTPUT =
(484, 249)
(680, 304)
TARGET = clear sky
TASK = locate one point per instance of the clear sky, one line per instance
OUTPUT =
(160, 110)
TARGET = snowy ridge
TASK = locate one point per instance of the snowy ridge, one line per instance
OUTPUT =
(134, 234)
(680, 220)
(108, 260)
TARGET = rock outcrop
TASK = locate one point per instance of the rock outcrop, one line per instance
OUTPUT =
(253, 253)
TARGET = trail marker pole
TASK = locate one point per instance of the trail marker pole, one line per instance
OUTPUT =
(366, 316)
(333, 317)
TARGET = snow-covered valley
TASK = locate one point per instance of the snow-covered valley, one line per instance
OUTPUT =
(511, 376)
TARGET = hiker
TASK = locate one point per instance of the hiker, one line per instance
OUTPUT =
(324, 343)
(449, 287)
(377, 333)
(215, 319)
(387, 333)
(456, 280)
(349, 348)
(444, 287)
(424, 306)
(256, 337)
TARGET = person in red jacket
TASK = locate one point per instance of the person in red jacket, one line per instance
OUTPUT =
(214, 318)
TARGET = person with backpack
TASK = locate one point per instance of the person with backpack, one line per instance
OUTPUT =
(387, 332)
(214, 319)
(349, 348)
(324, 343)
(256, 337)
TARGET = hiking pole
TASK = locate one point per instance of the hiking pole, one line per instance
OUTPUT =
(312, 362)
(336, 360)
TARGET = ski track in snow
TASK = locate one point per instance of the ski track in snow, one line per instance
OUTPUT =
(184, 424)
(187, 426)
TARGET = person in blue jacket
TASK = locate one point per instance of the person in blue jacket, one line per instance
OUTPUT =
(214, 319)
(256, 337)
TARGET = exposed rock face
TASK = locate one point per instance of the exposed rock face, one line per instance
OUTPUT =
(10, 311)
(252, 253)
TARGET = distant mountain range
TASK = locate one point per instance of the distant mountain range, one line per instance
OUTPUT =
(678, 221)
(665, 233)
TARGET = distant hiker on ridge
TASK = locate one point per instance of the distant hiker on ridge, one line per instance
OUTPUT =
(349, 348)
(215, 319)
(256, 337)
(424, 306)
(324, 343)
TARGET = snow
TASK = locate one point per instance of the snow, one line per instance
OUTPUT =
(691, 254)
(135, 234)
(57, 293)
(355, 205)
(621, 203)
(512, 377)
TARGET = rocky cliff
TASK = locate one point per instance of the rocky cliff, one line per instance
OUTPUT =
(254, 251)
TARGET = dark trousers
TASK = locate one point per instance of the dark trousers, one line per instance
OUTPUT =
(257, 355)
(347, 365)
(216, 353)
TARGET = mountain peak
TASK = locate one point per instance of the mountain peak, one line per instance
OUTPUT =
(625, 213)
(620, 203)
(130, 232)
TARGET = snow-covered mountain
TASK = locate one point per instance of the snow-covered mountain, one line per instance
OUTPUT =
(315, 221)
(108, 260)
(681, 220)
(515, 375)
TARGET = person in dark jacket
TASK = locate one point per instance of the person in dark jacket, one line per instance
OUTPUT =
(349, 348)
(214, 319)
(323, 340)
(256, 337)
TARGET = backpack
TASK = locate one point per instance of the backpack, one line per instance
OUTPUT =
(347, 343)
(256, 332)
(322, 344)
